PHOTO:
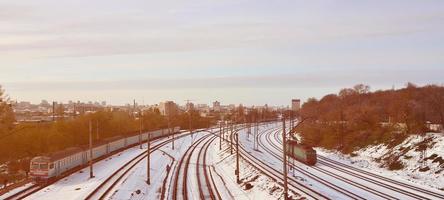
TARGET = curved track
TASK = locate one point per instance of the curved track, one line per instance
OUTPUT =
(384, 187)
(205, 183)
(211, 191)
(277, 153)
(106, 187)
(294, 185)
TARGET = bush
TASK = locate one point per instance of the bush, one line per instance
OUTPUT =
(396, 165)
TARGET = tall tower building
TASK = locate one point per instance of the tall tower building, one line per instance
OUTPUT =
(168, 108)
(216, 106)
(295, 104)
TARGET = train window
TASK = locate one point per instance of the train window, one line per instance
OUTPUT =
(51, 166)
(44, 166)
(34, 166)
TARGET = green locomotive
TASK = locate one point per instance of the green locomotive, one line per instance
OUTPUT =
(300, 152)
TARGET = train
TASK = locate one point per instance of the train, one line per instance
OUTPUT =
(301, 152)
(48, 167)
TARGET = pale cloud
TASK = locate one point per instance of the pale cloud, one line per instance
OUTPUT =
(203, 45)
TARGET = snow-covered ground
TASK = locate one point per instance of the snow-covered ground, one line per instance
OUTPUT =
(79, 185)
(16, 190)
(371, 157)
(220, 165)
(333, 179)
(339, 181)
(263, 186)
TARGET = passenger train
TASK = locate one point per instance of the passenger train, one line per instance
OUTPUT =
(49, 167)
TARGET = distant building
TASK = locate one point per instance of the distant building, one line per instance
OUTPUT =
(189, 106)
(295, 104)
(168, 108)
(203, 108)
(24, 104)
(216, 106)
(45, 103)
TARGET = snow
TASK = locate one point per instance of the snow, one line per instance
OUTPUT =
(351, 181)
(263, 186)
(367, 159)
(79, 185)
(221, 166)
(330, 179)
(16, 190)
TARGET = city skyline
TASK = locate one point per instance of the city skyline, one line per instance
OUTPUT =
(247, 52)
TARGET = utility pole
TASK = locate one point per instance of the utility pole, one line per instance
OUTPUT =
(148, 151)
(91, 174)
(53, 110)
(237, 158)
(134, 107)
(257, 135)
(249, 129)
(220, 135)
(284, 148)
(189, 122)
(225, 130)
(140, 130)
(169, 132)
(254, 133)
(189, 116)
(231, 138)
(291, 121)
(97, 130)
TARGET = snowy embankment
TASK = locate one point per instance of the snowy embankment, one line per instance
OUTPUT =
(407, 156)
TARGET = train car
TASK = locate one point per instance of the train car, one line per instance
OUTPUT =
(39, 168)
(47, 167)
(300, 152)
(176, 129)
(131, 140)
(44, 168)
(116, 143)
(100, 149)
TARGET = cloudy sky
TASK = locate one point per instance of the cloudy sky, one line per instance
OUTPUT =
(234, 51)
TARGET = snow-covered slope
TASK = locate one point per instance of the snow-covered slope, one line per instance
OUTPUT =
(403, 160)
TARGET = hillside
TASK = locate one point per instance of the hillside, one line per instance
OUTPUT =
(403, 160)
(356, 117)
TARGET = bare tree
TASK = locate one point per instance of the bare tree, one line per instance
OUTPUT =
(7, 117)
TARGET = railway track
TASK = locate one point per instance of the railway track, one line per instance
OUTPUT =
(294, 185)
(24, 193)
(180, 191)
(376, 176)
(316, 178)
(276, 175)
(211, 191)
(390, 184)
(106, 187)
(37, 187)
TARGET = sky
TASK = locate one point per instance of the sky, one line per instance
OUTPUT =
(234, 51)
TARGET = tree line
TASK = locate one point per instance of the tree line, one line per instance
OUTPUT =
(28, 140)
(357, 117)
(24, 141)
